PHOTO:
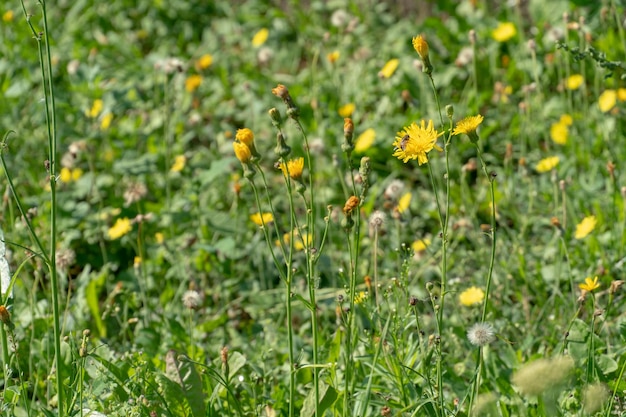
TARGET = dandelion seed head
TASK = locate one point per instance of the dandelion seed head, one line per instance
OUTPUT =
(481, 334)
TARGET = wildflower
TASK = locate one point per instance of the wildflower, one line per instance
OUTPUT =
(547, 164)
(346, 110)
(350, 205)
(192, 299)
(169, 65)
(65, 258)
(394, 190)
(333, 56)
(566, 120)
(7, 16)
(193, 82)
(261, 219)
(481, 334)
(537, 377)
(293, 168)
(621, 94)
(204, 62)
(69, 175)
(96, 108)
(179, 163)
(590, 284)
(260, 37)
(106, 121)
(246, 136)
(414, 142)
(365, 140)
(5, 316)
(585, 227)
(159, 238)
(137, 262)
(283, 93)
(242, 152)
(404, 202)
(421, 47)
(389, 68)
(120, 228)
(135, 192)
(471, 296)
(420, 245)
(607, 100)
(574, 81)
(360, 297)
(377, 219)
(559, 133)
(339, 18)
(504, 31)
(468, 126)
(264, 55)
(300, 239)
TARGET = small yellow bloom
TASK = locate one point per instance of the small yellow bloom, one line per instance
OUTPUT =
(193, 82)
(389, 68)
(96, 108)
(76, 174)
(421, 46)
(179, 163)
(504, 31)
(404, 202)
(585, 227)
(469, 126)
(420, 245)
(547, 164)
(204, 62)
(607, 100)
(120, 228)
(360, 297)
(261, 219)
(415, 141)
(574, 82)
(159, 238)
(621, 94)
(245, 136)
(299, 241)
(346, 110)
(566, 119)
(260, 37)
(472, 296)
(365, 140)
(106, 121)
(559, 133)
(295, 168)
(242, 152)
(589, 284)
(7, 16)
(137, 261)
(333, 56)
(65, 175)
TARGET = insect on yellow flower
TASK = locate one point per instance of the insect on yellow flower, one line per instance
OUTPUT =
(589, 284)
(421, 140)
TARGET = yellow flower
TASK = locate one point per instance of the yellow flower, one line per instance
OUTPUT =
(621, 94)
(242, 152)
(158, 236)
(585, 227)
(76, 174)
(96, 108)
(547, 164)
(420, 245)
(421, 46)
(559, 133)
(299, 241)
(204, 62)
(179, 163)
(574, 82)
(333, 56)
(469, 126)
(193, 82)
(294, 166)
(504, 31)
(607, 100)
(360, 297)
(245, 136)
(346, 110)
(261, 219)
(589, 284)
(414, 142)
(389, 68)
(365, 140)
(106, 121)
(65, 175)
(137, 261)
(566, 119)
(120, 228)
(260, 37)
(404, 202)
(472, 296)
(7, 16)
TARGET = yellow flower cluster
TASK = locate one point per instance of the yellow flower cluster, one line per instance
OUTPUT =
(559, 131)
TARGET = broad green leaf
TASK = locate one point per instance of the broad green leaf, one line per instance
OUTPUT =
(327, 395)
(185, 375)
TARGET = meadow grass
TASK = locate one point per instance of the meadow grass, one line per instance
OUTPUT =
(323, 209)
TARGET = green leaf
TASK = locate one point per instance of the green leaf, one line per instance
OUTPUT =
(92, 291)
(606, 364)
(328, 395)
(236, 361)
(185, 375)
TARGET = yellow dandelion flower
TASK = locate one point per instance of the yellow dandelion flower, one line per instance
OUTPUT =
(260, 37)
(621, 94)
(346, 110)
(120, 228)
(242, 152)
(471, 296)
(420, 245)
(468, 126)
(204, 62)
(360, 297)
(299, 241)
(404, 202)
(504, 31)
(415, 141)
(585, 227)
(65, 175)
(193, 82)
(333, 56)
(261, 219)
(607, 100)
(137, 261)
(7, 16)
(365, 140)
(159, 238)
(566, 119)
(574, 81)
(106, 121)
(179, 163)
(245, 136)
(421, 46)
(589, 284)
(547, 164)
(76, 174)
(559, 133)
(294, 166)
(96, 108)
(390, 67)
